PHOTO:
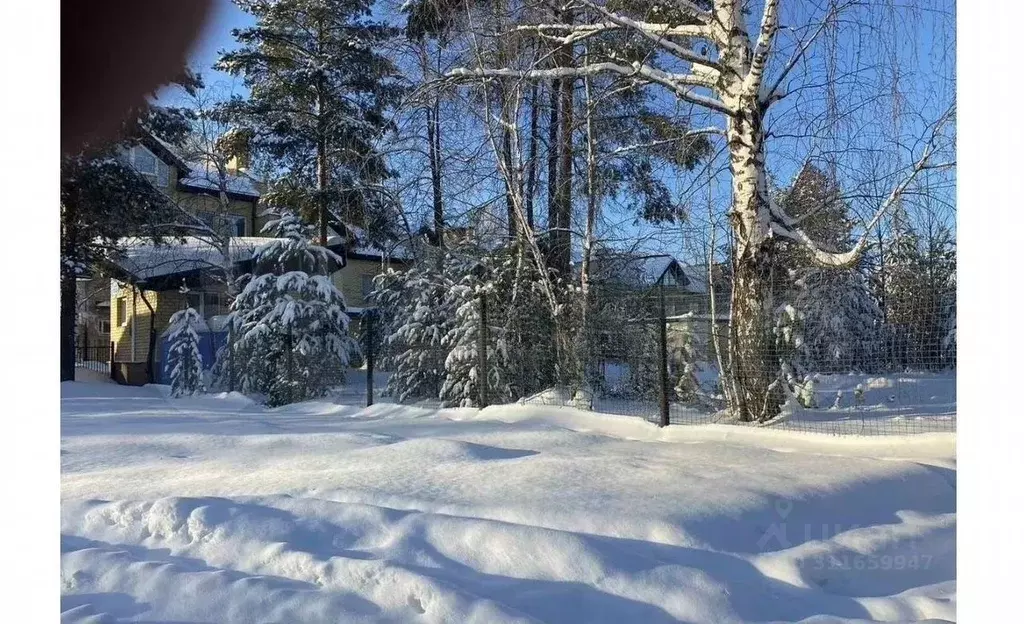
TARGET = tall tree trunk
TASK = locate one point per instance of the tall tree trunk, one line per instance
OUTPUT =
(563, 197)
(552, 156)
(531, 174)
(68, 291)
(68, 294)
(434, 153)
(755, 365)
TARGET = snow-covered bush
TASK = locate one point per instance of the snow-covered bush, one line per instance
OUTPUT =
(293, 341)
(685, 368)
(183, 356)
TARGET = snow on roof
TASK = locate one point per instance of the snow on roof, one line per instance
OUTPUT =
(144, 260)
(394, 250)
(636, 270)
(204, 176)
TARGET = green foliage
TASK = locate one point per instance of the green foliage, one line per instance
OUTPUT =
(319, 89)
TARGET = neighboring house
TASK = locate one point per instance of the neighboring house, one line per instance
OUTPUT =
(685, 288)
(92, 329)
(645, 279)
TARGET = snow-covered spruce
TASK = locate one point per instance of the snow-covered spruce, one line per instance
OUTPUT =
(183, 355)
(840, 320)
(415, 319)
(293, 341)
(461, 386)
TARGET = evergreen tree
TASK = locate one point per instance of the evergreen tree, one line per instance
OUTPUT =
(319, 88)
(840, 321)
(684, 364)
(919, 291)
(837, 314)
(183, 356)
(416, 318)
(293, 341)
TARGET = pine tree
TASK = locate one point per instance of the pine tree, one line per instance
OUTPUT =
(293, 341)
(416, 318)
(319, 88)
(183, 355)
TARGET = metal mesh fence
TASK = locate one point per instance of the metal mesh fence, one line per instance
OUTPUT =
(833, 355)
(835, 359)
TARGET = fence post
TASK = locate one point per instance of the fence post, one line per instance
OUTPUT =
(289, 364)
(663, 357)
(481, 348)
(231, 356)
(111, 367)
(368, 336)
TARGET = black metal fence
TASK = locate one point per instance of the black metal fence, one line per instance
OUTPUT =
(95, 358)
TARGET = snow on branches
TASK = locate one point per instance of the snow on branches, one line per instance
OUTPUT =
(183, 355)
(293, 341)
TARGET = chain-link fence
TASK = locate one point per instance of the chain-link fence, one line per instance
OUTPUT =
(831, 357)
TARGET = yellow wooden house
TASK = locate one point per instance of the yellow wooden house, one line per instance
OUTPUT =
(147, 285)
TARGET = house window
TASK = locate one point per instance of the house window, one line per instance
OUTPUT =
(121, 317)
(145, 161)
(230, 224)
(206, 304)
(151, 167)
(105, 326)
(367, 284)
(212, 305)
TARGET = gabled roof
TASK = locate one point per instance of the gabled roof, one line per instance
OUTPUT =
(144, 260)
(200, 176)
(635, 270)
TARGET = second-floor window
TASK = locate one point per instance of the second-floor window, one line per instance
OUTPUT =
(229, 224)
(151, 167)
(121, 315)
(207, 304)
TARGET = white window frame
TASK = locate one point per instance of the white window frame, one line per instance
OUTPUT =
(102, 323)
(121, 311)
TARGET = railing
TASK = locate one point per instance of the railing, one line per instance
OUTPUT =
(93, 357)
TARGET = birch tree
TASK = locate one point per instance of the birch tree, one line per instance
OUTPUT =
(727, 57)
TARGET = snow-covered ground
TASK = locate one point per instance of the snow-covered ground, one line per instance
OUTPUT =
(216, 510)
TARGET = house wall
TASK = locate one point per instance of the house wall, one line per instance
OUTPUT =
(349, 280)
(208, 201)
(164, 303)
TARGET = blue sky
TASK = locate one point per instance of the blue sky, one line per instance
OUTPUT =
(915, 49)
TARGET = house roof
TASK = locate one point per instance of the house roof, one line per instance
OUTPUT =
(199, 175)
(631, 269)
(362, 250)
(203, 176)
(144, 260)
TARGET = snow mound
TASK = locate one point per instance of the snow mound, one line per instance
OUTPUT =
(186, 511)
